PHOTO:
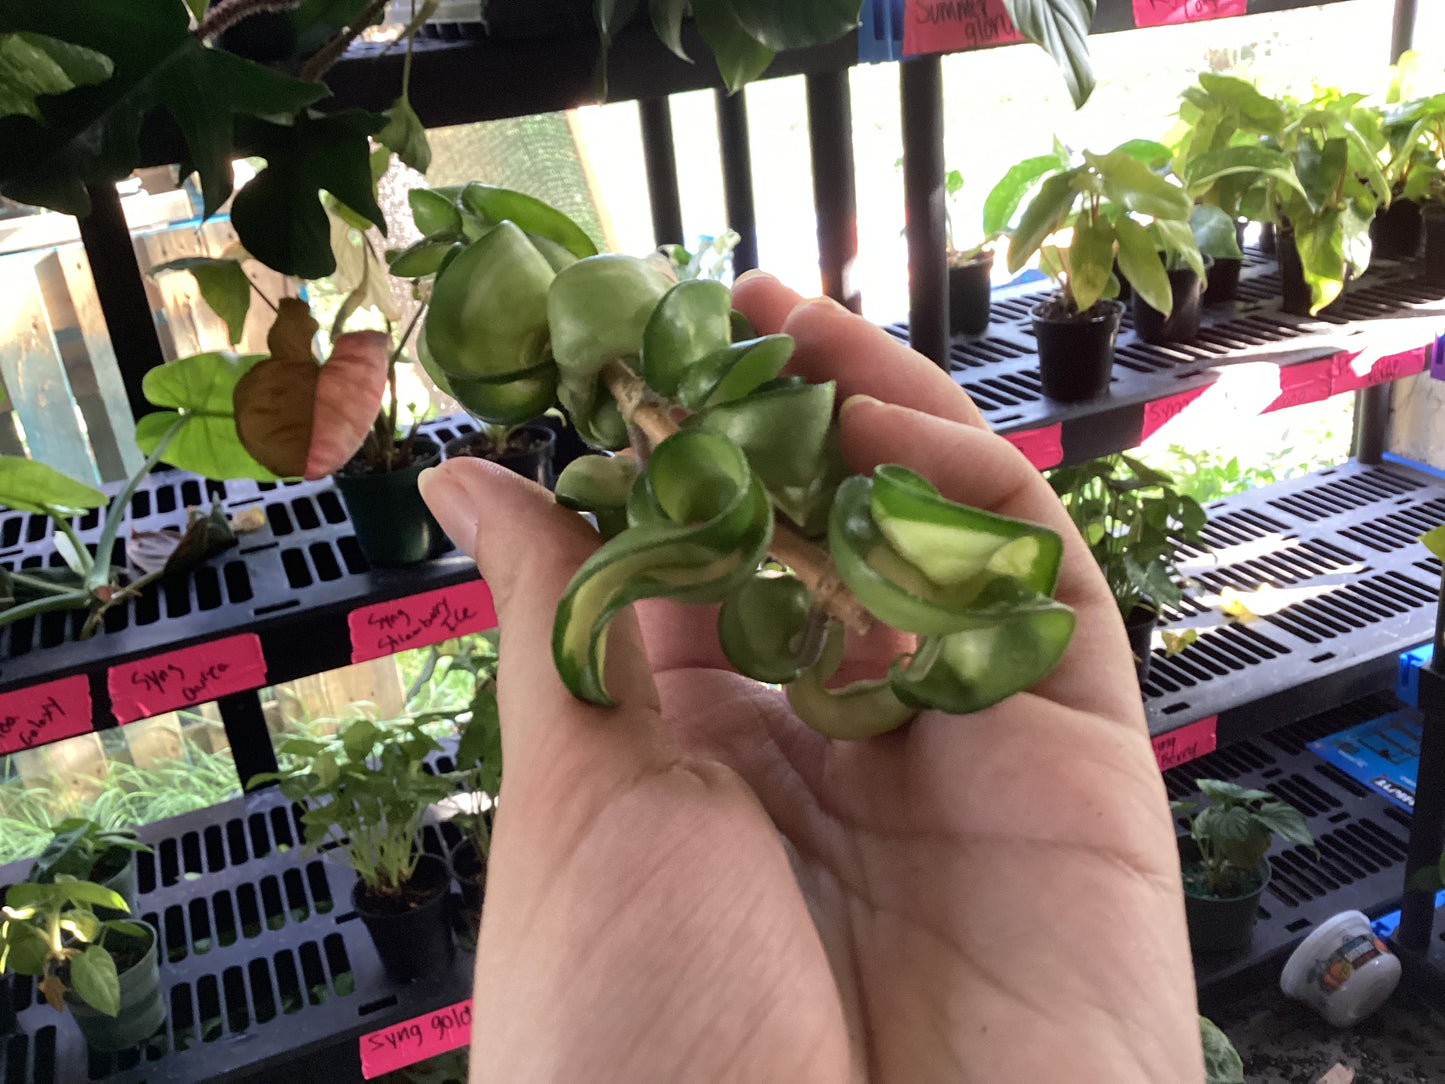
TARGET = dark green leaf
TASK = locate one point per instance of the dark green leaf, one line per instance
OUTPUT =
(1222, 1064)
(1286, 821)
(1141, 265)
(436, 212)
(1003, 200)
(667, 18)
(224, 287)
(780, 25)
(1062, 28)
(93, 976)
(740, 57)
(1214, 233)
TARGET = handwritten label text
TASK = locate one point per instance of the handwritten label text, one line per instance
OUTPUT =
(1183, 745)
(192, 675)
(1161, 412)
(1161, 12)
(44, 713)
(420, 620)
(414, 1040)
(949, 26)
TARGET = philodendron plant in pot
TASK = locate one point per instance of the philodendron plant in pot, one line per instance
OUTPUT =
(734, 464)
(105, 970)
(366, 791)
(479, 776)
(1133, 521)
(1224, 864)
(1076, 328)
(969, 271)
(84, 850)
(1416, 131)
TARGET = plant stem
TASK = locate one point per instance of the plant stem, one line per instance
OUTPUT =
(230, 12)
(70, 600)
(330, 53)
(809, 563)
(36, 584)
(82, 553)
(100, 572)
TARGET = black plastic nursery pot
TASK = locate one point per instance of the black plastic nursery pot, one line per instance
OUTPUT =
(1223, 284)
(1076, 352)
(393, 526)
(530, 451)
(1294, 290)
(142, 1009)
(121, 882)
(1216, 925)
(412, 939)
(969, 293)
(1435, 246)
(1140, 625)
(1395, 231)
(470, 873)
(7, 1007)
(1182, 323)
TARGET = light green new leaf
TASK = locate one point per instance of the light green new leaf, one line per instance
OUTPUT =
(1204, 170)
(1061, 27)
(1135, 187)
(32, 65)
(94, 978)
(1044, 214)
(1176, 239)
(224, 287)
(405, 134)
(28, 486)
(1091, 260)
(199, 388)
(1004, 198)
(1153, 154)
(1434, 541)
(740, 57)
(1141, 265)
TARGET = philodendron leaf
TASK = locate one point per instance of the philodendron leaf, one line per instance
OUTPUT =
(94, 978)
(1044, 214)
(1214, 233)
(1091, 260)
(199, 388)
(224, 286)
(782, 26)
(1142, 266)
(405, 135)
(28, 486)
(32, 65)
(1061, 27)
(740, 57)
(303, 420)
(1004, 198)
(1135, 187)
(667, 16)
(278, 215)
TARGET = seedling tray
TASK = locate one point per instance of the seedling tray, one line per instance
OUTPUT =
(1361, 836)
(1384, 318)
(267, 973)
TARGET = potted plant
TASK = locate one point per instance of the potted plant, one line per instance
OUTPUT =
(1132, 520)
(1398, 228)
(105, 971)
(669, 369)
(1186, 268)
(84, 850)
(970, 288)
(1076, 328)
(479, 775)
(367, 791)
(1224, 865)
(1416, 131)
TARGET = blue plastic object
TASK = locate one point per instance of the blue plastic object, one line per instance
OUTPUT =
(880, 33)
(1407, 683)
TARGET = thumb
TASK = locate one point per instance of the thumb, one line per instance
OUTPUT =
(527, 549)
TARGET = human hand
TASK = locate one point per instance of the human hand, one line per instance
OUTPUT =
(695, 886)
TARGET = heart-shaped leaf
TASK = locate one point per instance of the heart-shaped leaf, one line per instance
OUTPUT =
(28, 486)
(224, 286)
(199, 388)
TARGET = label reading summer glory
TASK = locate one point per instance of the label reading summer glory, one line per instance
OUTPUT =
(414, 1040)
(1160, 412)
(44, 713)
(1183, 745)
(1168, 12)
(420, 620)
(950, 26)
(192, 675)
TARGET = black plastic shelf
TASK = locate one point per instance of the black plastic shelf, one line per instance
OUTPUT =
(1344, 540)
(293, 582)
(1361, 837)
(264, 965)
(1390, 310)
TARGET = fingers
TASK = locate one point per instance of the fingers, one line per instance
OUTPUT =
(835, 344)
(981, 469)
(527, 549)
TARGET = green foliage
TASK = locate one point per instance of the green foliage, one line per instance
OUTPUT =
(32, 65)
(198, 391)
(1236, 828)
(224, 286)
(1061, 27)
(1132, 518)
(51, 931)
(1222, 1063)
(365, 790)
(30, 486)
(81, 847)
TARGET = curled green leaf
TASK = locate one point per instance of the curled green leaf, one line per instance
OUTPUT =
(763, 627)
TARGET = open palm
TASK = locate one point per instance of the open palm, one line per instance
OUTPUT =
(695, 886)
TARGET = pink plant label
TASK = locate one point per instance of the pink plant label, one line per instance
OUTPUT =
(1183, 745)
(414, 1040)
(192, 675)
(1168, 12)
(951, 26)
(420, 620)
(1161, 412)
(1044, 447)
(1309, 382)
(44, 713)
(1356, 370)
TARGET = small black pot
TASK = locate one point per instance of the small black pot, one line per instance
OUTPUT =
(392, 523)
(470, 874)
(1182, 323)
(142, 1009)
(1076, 354)
(1395, 231)
(1140, 625)
(1268, 239)
(535, 464)
(969, 293)
(1220, 926)
(1294, 290)
(1223, 281)
(416, 942)
(1435, 247)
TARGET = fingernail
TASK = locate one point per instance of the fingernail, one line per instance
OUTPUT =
(857, 401)
(749, 275)
(446, 498)
(824, 303)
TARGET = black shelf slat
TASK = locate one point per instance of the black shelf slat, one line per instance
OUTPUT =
(1350, 589)
(1391, 313)
(1361, 836)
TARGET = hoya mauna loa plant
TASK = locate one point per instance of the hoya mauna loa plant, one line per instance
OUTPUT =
(736, 493)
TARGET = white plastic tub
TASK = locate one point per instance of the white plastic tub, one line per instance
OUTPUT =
(1342, 970)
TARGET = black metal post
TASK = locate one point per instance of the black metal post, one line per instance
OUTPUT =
(245, 725)
(1427, 819)
(1372, 422)
(737, 169)
(1403, 29)
(660, 157)
(122, 292)
(835, 196)
(921, 84)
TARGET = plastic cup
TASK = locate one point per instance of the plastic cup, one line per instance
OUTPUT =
(1342, 970)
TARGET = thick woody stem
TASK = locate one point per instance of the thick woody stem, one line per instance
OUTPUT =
(227, 14)
(330, 53)
(809, 563)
